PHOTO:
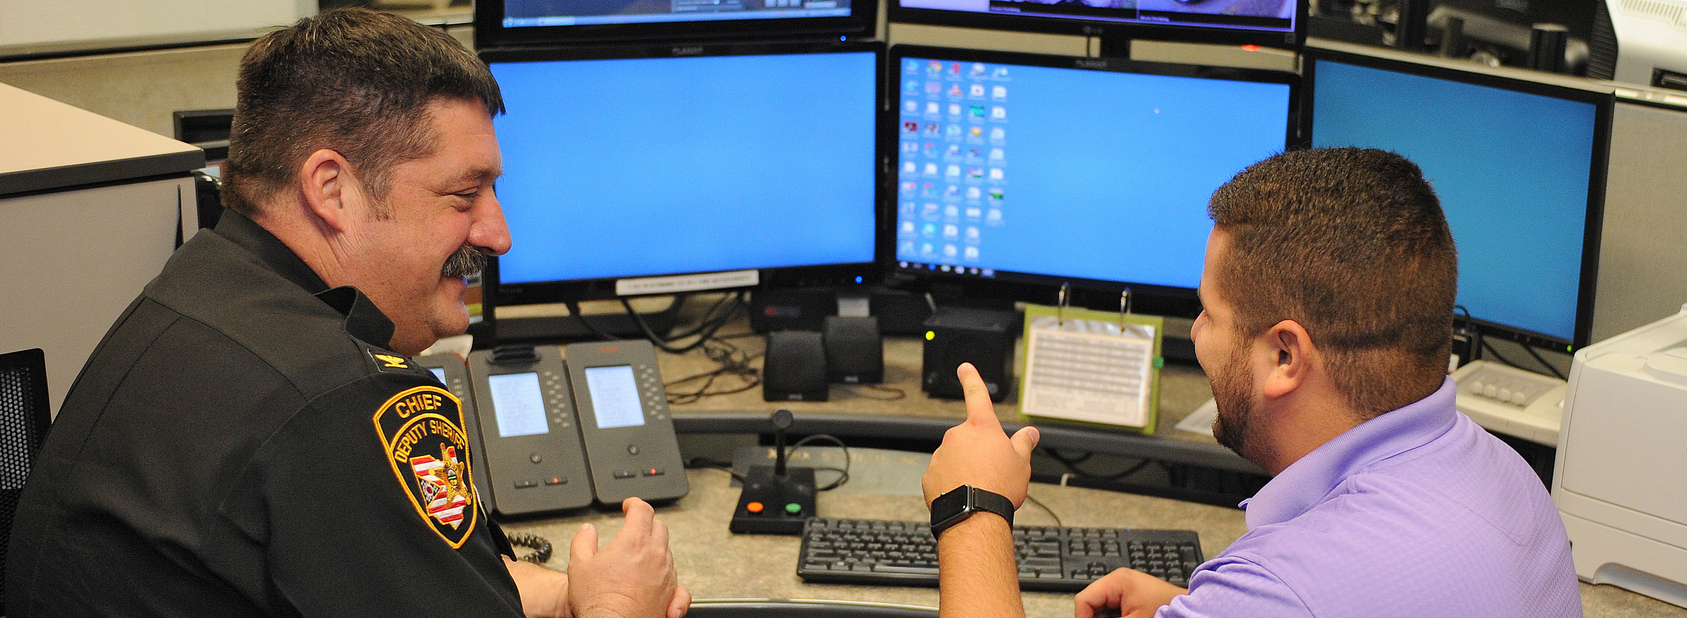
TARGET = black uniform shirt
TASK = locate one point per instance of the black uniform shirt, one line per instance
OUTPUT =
(243, 443)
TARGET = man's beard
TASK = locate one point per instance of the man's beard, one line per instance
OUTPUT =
(466, 262)
(1234, 398)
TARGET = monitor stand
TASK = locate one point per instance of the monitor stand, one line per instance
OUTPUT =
(552, 323)
(1114, 46)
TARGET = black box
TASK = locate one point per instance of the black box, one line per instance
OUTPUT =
(795, 367)
(983, 337)
(855, 353)
(791, 309)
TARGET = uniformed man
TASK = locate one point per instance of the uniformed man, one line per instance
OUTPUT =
(251, 438)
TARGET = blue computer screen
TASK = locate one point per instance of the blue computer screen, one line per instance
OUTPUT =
(653, 166)
(1071, 173)
(1512, 170)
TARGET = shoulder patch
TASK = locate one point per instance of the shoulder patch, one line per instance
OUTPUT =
(422, 437)
(389, 362)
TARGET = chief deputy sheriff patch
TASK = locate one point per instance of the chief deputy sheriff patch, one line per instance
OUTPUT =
(422, 433)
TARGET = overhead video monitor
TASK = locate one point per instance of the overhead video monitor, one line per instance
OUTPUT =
(1276, 23)
(632, 171)
(1017, 173)
(520, 23)
(1519, 168)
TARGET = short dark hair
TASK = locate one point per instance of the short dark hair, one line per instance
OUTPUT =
(355, 81)
(1352, 244)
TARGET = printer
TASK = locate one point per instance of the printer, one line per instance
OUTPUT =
(1621, 472)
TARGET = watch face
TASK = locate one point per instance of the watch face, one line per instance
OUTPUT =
(948, 505)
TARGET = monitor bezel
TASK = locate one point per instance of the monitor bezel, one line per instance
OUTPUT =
(1040, 288)
(839, 274)
(1604, 104)
(490, 32)
(1108, 31)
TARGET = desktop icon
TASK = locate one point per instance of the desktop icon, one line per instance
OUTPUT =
(930, 149)
(950, 251)
(931, 169)
(954, 151)
(953, 193)
(929, 230)
(995, 195)
(972, 233)
(935, 66)
(945, 267)
(951, 231)
(955, 69)
(972, 256)
(934, 87)
(975, 172)
(953, 132)
(952, 211)
(909, 147)
(976, 91)
(908, 187)
(928, 190)
(997, 156)
(910, 168)
(931, 108)
(977, 111)
(932, 128)
(908, 209)
(978, 69)
(910, 107)
(999, 73)
(927, 248)
(953, 171)
(974, 212)
(998, 135)
(995, 216)
(910, 127)
(955, 90)
(975, 134)
(911, 66)
(975, 155)
(911, 86)
(973, 194)
(931, 211)
(954, 109)
(999, 93)
(996, 174)
(906, 249)
(998, 113)
(908, 227)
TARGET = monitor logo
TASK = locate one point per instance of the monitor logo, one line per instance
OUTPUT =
(1090, 63)
(687, 51)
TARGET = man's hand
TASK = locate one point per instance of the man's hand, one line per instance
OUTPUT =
(544, 593)
(631, 577)
(1133, 594)
(977, 452)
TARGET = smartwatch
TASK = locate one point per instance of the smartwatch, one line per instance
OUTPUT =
(961, 502)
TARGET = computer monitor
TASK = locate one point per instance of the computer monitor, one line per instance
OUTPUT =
(1519, 168)
(1018, 173)
(634, 171)
(524, 23)
(1276, 23)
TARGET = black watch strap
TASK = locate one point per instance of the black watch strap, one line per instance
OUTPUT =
(960, 503)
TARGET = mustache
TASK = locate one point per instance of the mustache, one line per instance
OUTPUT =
(467, 261)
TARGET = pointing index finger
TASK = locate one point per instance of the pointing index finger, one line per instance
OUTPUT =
(980, 409)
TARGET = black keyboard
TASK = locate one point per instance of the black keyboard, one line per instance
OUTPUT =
(903, 553)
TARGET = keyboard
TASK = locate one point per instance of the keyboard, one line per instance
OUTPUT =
(1051, 558)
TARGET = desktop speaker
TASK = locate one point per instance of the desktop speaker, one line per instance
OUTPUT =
(795, 367)
(792, 309)
(983, 337)
(855, 353)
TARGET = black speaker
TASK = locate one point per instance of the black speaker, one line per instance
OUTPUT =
(791, 309)
(983, 337)
(854, 352)
(795, 367)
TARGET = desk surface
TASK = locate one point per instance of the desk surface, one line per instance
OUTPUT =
(716, 564)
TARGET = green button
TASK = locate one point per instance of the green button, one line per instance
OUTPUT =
(793, 508)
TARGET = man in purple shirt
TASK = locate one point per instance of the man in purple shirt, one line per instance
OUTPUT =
(1328, 300)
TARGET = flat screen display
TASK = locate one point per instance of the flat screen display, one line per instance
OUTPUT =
(1516, 166)
(637, 167)
(532, 13)
(519, 404)
(1002, 173)
(1263, 22)
(615, 401)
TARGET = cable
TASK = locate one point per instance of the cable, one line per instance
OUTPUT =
(707, 332)
(574, 309)
(1033, 500)
(843, 474)
(733, 361)
(541, 547)
(1072, 465)
(1553, 370)
(705, 463)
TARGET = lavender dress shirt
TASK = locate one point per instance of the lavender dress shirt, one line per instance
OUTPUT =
(1418, 512)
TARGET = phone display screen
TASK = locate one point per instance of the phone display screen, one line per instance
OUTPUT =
(614, 396)
(519, 404)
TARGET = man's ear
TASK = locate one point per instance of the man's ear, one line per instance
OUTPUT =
(326, 181)
(1293, 358)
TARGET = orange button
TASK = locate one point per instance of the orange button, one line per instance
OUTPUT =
(754, 507)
